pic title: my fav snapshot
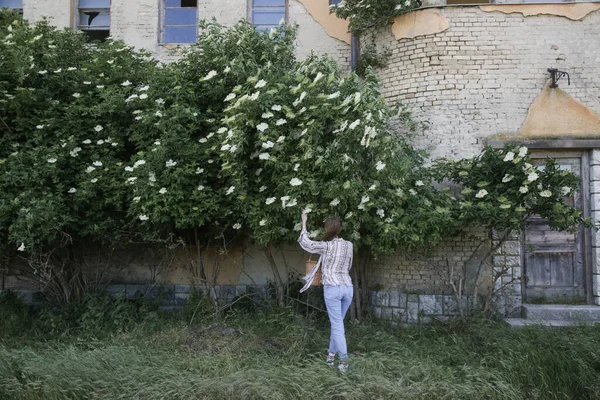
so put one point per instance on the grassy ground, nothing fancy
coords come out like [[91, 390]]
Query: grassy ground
[[280, 355]]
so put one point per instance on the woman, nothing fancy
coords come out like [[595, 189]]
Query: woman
[[335, 262]]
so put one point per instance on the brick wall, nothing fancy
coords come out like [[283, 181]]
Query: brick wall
[[426, 272], [479, 77]]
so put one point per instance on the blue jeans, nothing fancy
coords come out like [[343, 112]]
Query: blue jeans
[[337, 300]]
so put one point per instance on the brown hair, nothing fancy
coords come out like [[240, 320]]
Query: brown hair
[[333, 227]]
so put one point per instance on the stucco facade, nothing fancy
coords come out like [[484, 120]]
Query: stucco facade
[[138, 23]]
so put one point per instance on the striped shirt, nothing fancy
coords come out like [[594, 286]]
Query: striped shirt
[[336, 260]]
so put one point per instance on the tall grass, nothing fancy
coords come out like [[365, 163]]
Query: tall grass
[[278, 354]]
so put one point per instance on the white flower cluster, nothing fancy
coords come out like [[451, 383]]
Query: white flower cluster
[[295, 182], [210, 75], [287, 204], [363, 201], [481, 194], [370, 133]]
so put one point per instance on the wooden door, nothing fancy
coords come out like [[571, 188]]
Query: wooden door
[[555, 262]]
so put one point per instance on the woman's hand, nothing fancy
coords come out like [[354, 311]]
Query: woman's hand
[[304, 218]]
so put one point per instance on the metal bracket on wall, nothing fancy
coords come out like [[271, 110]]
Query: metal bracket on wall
[[556, 75]]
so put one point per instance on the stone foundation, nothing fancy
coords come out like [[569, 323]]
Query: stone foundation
[[407, 308]]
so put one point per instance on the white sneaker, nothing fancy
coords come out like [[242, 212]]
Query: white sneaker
[[343, 367], [330, 359]]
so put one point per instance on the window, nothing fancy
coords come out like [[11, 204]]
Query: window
[[14, 4], [180, 21], [93, 18], [333, 3], [266, 14]]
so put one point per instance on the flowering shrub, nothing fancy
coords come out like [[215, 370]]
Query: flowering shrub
[[64, 133], [318, 141], [364, 15], [176, 174], [501, 188]]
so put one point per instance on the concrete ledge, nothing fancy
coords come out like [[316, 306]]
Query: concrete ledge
[[562, 143], [558, 312], [521, 322]]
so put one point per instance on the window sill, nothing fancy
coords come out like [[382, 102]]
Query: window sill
[[175, 46]]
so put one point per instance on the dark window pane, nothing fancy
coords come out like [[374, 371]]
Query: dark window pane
[[280, 3], [180, 16], [265, 16], [181, 3], [94, 3], [100, 35], [11, 3], [184, 34], [334, 2], [94, 19]]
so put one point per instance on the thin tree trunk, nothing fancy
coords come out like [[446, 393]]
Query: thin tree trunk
[[357, 295], [364, 264], [490, 253], [201, 271], [208, 288], [279, 295]]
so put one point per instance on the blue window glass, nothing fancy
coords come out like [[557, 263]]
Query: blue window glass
[[18, 4], [180, 16], [267, 14], [180, 20], [180, 34], [94, 3]]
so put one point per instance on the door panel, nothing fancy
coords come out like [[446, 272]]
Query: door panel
[[554, 261]]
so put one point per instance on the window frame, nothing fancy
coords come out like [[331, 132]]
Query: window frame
[[163, 25], [77, 16], [251, 8]]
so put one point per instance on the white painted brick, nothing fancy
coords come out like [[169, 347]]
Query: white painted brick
[[498, 63]]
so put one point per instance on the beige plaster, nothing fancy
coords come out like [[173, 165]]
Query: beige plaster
[[227, 267], [556, 114], [419, 23], [334, 26], [574, 12]]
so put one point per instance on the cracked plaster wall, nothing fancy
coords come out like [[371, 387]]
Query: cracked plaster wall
[[479, 77]]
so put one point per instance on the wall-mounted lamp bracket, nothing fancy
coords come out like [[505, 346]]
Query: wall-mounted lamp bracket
[[556, 75]]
